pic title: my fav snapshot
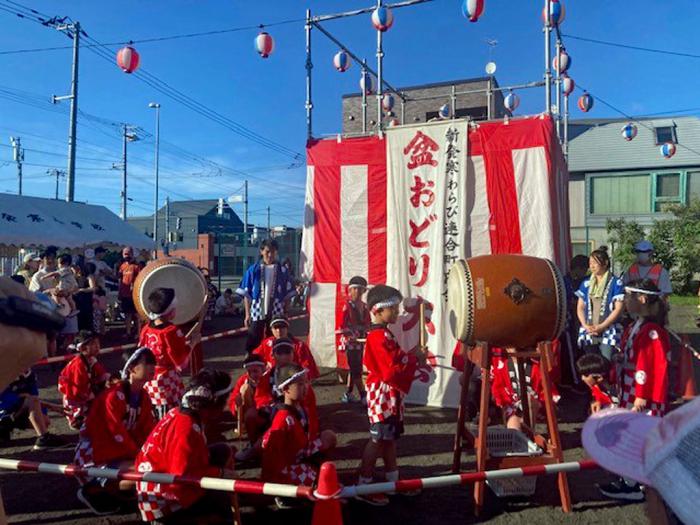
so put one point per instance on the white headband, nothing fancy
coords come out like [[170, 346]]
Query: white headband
[[134, 357], [356, 286], [153, 316], [392, 301], [259, 362], [291, 380], [78, 346], [639, 290]]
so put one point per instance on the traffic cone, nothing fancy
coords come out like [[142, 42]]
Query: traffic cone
[[327, 509], [686, 383]]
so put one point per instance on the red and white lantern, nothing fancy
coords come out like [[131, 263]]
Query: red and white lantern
[[128, 59], [264, 44]]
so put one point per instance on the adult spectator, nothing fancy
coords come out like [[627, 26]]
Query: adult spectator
[[30, 265], [646, 268], [266, 288], [128, 270], [224, 303], [102, 268], [48, 265], [87, 286]]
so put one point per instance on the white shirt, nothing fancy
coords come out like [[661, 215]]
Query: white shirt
[[101, 270], [39, 285], [222, 304], [269, 292]]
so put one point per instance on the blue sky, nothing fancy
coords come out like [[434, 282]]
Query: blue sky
[[427, 43]]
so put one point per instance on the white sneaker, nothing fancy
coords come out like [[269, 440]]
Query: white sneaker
[[347, 398]]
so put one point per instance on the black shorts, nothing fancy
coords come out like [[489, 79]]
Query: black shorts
[[127, 305], [355, 361], [388, 430]]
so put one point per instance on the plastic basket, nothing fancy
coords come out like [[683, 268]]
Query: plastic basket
[[505, 442]]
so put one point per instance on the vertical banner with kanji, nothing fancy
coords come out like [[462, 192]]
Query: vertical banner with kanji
[[427, 224]]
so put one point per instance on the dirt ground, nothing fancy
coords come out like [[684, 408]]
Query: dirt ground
[[425, 450]]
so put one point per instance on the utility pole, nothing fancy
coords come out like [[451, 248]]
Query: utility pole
[[18, 157], [156, 106], [73, 31], [128, 135], [166, 249], [269, 231], [56, 173], [246, 241]]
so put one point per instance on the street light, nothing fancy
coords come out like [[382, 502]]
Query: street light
[[156, 106]]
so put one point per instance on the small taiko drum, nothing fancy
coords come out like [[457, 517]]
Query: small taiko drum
[[179, 274], [506, 300]]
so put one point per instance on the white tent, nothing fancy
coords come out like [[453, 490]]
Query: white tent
[[33, 221]]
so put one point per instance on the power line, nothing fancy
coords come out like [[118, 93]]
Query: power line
[[628, 46]]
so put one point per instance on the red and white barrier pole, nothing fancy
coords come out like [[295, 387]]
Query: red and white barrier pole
[[226, 485], [408, 485], [132, 346]]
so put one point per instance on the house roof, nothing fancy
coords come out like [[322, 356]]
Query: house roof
[[598, 145], [192, 208]]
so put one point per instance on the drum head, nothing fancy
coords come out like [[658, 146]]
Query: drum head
[[460, 296], [187, 281]]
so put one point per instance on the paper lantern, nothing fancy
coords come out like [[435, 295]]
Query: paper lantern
[[557, 13], [444, 111], [388, 102], [472, 9], [264, 44], [567, 84], [585, 102], [511, 102], [668, 150], [128, 59], [342, 61], [382, 18], [562, 62], [629, 131], [366, 83]]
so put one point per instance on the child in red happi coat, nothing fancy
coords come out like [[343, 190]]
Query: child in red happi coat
[[178, 445], [242, 396], [120, 420], [82, 378], [390, 373], [291, 447], [302, 356], [505, 387], [595, 371], [171, 348], [354, 326], [643, 381]]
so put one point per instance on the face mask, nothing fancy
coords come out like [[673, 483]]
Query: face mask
[[643, 257]]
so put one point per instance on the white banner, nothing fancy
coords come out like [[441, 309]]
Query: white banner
[[426, 232]]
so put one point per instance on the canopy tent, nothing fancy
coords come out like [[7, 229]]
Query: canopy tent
[[34, 221]]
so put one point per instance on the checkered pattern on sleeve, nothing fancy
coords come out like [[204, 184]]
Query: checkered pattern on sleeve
[[152, 501], [383, 401], [166, 389], [627, 398], [75, 413], [300, 474]]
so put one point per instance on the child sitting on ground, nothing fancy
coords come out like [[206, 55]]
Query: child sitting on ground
[[595, 371], [290, 448], [82, 378], [390, 373], [120, 420], [243, 395], [20, 408], [354, 326], [279, 326]]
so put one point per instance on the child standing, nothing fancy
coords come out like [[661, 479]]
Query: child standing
[[171, 348], [390, 375], [595, 371], [82, 378], [291, 448], [643, 382], [354, 326]]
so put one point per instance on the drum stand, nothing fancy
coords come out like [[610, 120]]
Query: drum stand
[[480, 356]]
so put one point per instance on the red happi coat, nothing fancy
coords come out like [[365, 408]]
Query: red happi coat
[[176, 445], [646, 347], [505, 388], [168, 344], [111, 434], [390, 373], [79, 381], [355, 323], [286, 444], [249, 394], [302, 355], [266, 397], [602, 395]]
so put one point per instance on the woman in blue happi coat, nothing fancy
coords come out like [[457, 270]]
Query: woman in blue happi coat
[[267, 286], [600, 301]]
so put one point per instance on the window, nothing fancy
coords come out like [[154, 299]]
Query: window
[[668, 190], [693, 185], [665, 134], [622, 194]]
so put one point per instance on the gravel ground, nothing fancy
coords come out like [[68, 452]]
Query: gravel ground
[[424, 450]]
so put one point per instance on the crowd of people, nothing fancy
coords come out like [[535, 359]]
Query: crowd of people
[[143, 417]]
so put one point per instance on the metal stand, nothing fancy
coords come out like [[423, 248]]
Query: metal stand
[[480, 356]]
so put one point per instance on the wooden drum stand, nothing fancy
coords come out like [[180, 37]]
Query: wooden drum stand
[[480, 356]]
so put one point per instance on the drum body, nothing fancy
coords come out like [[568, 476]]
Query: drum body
[[506, 300], [182, 276]]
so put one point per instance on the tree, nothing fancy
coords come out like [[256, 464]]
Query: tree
[[623, 235], [682, 235]]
